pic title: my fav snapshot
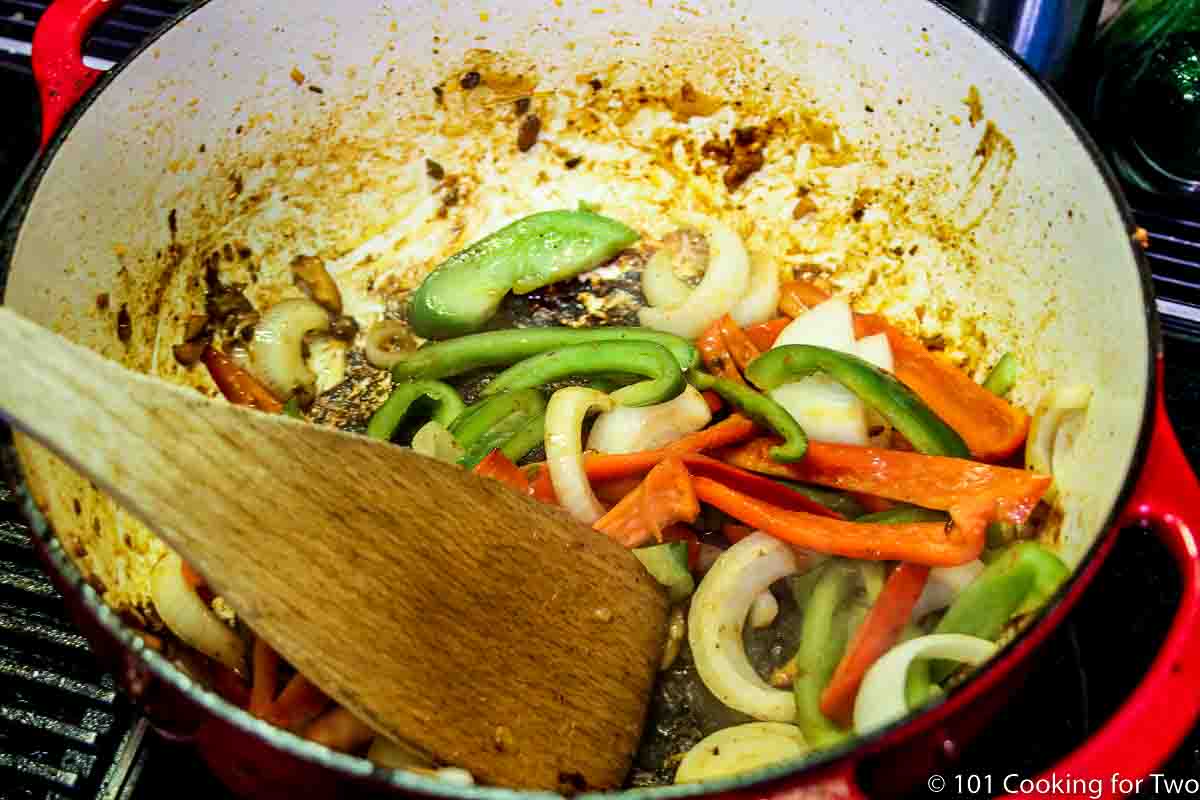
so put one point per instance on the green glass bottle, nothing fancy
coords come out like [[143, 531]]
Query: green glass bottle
[[1146, 105]]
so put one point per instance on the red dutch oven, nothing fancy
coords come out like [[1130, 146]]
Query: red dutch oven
[[1056, 267]]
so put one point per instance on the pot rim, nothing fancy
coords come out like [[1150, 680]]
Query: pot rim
[[831, 761]]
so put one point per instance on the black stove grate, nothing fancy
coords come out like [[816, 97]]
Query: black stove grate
[[65, 731]]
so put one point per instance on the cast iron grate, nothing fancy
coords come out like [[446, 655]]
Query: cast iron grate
[[112, 40], [65, 731]]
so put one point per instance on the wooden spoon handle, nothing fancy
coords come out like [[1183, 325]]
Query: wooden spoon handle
[[445, 610]]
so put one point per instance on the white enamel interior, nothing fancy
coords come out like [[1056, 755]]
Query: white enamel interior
[[1056, 273]]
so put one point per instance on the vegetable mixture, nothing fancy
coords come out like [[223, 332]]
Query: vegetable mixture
[[840, 516]]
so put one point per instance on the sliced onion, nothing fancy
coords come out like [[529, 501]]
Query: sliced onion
[[676, 633], [881, 697], [945, 584], [1049, 432], [276, 354], [720, 289], [739, 749], [398, 755], [826, 410], [877, 350], [435, 441], [718, 616], [628, 430], [661, 286], [763, 610], [761, 299], [190, 618], [564, 449], [387, 342]]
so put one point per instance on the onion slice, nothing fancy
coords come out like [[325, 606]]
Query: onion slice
[[388, 342], [190, 618], [1048, 432], [435, 441], [945, 584], [761, 299], [718, 616], [661, 286], [565, 414], [276, 354], [881, 697], [626, 429], [741, 748], [720, 289]]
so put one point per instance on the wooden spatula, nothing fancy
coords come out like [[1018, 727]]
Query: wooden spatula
[[494, 632]]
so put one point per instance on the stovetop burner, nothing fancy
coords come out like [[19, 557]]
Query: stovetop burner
[[67, 734]]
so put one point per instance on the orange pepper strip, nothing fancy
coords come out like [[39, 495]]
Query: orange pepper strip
[[715, 355], [614, 491], [339, 730], [796, 297], [265, 681], [735, 532], [992, 427], [192, 578], [715, 403], [496, 466], [764, 334], [664, 498], [239, 387], [755, 486], [609, 466], [300, 702], [929, 481], [930, 543], [738, 343], [878, 632]]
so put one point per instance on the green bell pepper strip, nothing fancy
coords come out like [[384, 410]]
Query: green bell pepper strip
[[1003, 376], [643, 358], [387, 418], [494, 421], [503, 348], [888, 396], [823, 638], [465, 291], [832, 499], [527, 437], [905, 514], [1016, 582], [760, 408], [292, 409]]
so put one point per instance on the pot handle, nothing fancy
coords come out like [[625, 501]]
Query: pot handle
[[1146, 730], [62, 77]]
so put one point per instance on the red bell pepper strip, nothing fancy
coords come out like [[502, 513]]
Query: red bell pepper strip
[[929, 543], [609, 466], [496, 465], [928, 481], [764, 334], [664, 498], [298, 704], [239, 387], [738, 343], [879, 631], [715, 355], [265, 678], [684, 533], [715, 403]]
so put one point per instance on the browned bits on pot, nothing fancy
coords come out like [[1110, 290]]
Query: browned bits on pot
[[573, 162], [745, 164], [434, 170], [527, 132], [316, 282], [522, 105], [196, 325], [316, 89], [470, 80], [172, 223], [804, 206], [297, 76], [504, 740], [188, 353], [124, 325], [102, 301], [439, 95], [692, 103], [344, 328], [596, 84]]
